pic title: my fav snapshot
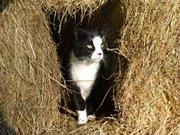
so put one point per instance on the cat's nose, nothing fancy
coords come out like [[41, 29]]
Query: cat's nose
[[99, 54]]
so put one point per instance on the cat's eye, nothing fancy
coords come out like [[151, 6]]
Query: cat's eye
[[89, 46]]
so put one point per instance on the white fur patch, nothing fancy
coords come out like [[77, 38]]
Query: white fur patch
[[97, 42], [82, 117], [84, 74]]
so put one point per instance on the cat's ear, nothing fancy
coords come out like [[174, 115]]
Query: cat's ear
[[103, 30], [78, 33], [100, 31]]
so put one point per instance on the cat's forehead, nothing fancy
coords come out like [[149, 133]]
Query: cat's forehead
[[97, 41]]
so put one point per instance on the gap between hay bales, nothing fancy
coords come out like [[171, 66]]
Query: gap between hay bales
[[61, 31]]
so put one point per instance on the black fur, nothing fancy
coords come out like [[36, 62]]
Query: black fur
[[80, 39]]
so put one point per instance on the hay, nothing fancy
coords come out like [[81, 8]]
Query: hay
[[29, 71], [150, 40], [64, 9], [147, 97], [71, 7]]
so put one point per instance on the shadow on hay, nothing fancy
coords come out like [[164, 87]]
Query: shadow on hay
[[108, 19], [4, 128], [4, 4]]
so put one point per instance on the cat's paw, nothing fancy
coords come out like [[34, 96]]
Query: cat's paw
[[82, 117], [91, 117], [82, 121]]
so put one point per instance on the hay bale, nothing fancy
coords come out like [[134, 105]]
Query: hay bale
[[66, 8], [71, 7], [29, 71], [150, 40]]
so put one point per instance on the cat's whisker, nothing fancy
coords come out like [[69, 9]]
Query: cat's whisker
[[105, 62], [107, 34]]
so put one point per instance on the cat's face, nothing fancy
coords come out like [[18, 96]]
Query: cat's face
[[88, 45]]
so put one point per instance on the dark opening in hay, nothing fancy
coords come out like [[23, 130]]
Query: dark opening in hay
[[61, 31], [4, 4]]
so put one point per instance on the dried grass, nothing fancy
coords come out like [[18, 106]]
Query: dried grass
[[65, 8], [29, 70], [148, 100], [72, 6], [150, 40]]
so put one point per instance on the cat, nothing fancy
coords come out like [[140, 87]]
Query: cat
[[85, 57]]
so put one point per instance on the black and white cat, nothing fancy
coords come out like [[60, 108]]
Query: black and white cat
[[86, 55]]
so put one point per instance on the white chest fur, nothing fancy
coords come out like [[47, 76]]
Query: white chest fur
[[84, 74]]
